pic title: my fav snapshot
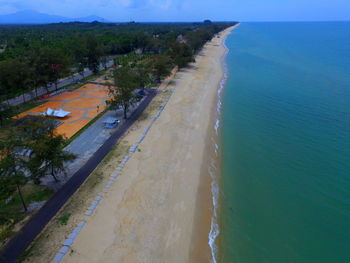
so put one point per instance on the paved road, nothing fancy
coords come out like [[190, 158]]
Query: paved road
[[63, 82], [96, 135], [36, 224]]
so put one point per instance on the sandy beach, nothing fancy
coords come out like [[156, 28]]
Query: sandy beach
[[154, 210]]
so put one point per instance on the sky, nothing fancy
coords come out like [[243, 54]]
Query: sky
[[188, 10]]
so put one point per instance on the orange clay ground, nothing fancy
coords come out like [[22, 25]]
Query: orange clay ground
[[84, 104]]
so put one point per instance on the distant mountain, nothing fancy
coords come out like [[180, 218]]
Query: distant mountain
[[90, 19], [33, 17]]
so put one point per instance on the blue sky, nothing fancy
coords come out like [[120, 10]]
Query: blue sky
[[188, 10]]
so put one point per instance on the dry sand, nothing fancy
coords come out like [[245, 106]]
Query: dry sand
[[153, 212], [148, 215]]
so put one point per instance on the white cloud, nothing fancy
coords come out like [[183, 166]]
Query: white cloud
[[125, 3], [7, 9], [164, 4]]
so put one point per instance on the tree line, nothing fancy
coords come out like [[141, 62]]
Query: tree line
[[39, 55]]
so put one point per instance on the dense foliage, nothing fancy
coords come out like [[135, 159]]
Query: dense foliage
[[38, 55], [29, 150]]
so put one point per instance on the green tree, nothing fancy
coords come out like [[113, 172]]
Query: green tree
[[142, 76], [6, 112], [47, 155], [50, 150], [181, 54], [35, 167], [122, 94], [37, 73], [56, 65], [31, 132], [79, 54], [93, 53], [160, 66], [12, 168], [14, 77]]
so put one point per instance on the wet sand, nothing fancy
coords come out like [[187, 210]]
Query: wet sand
[[200, 248]]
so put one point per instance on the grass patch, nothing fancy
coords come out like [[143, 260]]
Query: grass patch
[[15, 110], [143, 116], [95, 180], [117, 151], [12, 212], [25, 106], [63, 220]]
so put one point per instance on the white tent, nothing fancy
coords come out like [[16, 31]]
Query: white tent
[[56, 113]]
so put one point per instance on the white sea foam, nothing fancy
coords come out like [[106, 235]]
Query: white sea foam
[[214, 227], [215, 145], [217, 125]]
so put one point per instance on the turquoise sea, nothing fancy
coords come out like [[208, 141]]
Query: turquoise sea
[[285, 144]]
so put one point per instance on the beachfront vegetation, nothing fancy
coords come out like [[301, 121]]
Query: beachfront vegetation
[[39, 55], [29, 151], [11, 207], [126, 80]]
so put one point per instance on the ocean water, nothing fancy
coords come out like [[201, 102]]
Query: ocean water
[[285, 144]]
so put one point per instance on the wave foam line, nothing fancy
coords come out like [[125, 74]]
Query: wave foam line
[[214, 226]]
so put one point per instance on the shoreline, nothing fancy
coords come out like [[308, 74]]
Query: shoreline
[[151, 212], [205, 235]]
